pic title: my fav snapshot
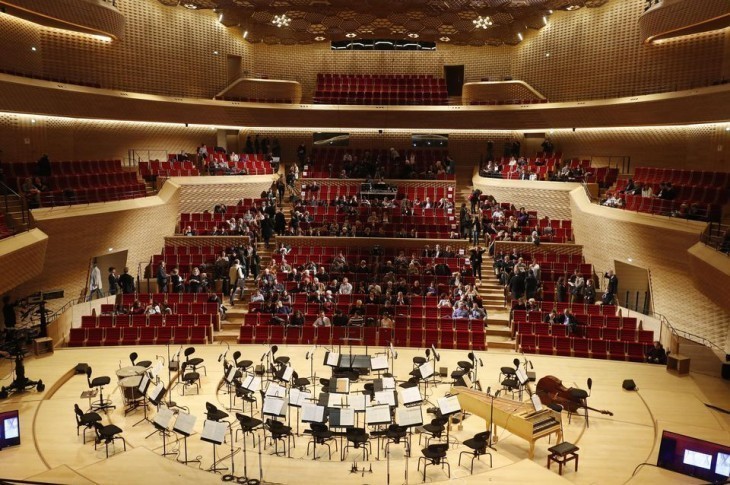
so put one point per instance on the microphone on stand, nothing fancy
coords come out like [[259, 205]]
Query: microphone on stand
[[481, 364], [496, 394], [489, 389]]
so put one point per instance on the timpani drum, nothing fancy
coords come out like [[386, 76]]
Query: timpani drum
[[130, 388]]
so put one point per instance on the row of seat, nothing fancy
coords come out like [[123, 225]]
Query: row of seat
[[156, 320], [5, 231], [92, 195], [574, 308], [245, 99], [129, 298], [584, 347], [330, 192], [652, 205], [172, 168], [703, 178], [78, 167], [88, 337], [500, 102], [251, 167], [625, 334]]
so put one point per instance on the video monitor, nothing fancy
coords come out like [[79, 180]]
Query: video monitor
[[694, 457], [9, 429]]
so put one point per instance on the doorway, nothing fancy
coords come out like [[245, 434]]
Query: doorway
[[454, 79]]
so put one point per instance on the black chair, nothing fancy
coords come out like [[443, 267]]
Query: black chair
[[396, 434], [108, 434], [434, 430], [212, 413], [301, 383], [434, 455], [246, 395], [86, 420], [510, 383], [359, 439], [280, 432], [478, 445], [248, 425], [321, 435], [581, 396], [189, 378], [242, 365], [99, 382], [280, 361], [142, 363], [195, 362]]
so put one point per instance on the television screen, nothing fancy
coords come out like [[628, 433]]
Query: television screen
[[694, 457], [9, 429]]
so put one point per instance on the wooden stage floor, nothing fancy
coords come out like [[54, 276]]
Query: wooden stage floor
[[610, 449]]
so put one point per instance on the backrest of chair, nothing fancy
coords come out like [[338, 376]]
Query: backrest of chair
[[440, 448], [88, 375], [236, 356], [188, 352], [483, 436], [78, 413], [132, 357]]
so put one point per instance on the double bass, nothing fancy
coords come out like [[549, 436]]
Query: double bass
[[551, 390]]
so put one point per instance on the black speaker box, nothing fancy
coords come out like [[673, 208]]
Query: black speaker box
[[726, 371], [629, 385]]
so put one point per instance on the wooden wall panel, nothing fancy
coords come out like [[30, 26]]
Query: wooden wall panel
[[198, 194], [547, 198], [21, 259]]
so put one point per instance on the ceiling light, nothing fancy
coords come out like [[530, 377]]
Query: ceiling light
[[544, 20], [319, 38], [245, 34], [33, 49], [482, 22], [215, 53], [413, 35], [32, 120], [547, 54], [444, 39], [220, 18], [519, 35], [572, 7], [191, 6], [111, 249], [350, 35], [103, 38], [281, 20]]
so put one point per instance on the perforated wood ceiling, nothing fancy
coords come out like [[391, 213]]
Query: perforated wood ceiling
[[431, 20]]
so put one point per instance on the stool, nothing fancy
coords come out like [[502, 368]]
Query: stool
[[561, 454]]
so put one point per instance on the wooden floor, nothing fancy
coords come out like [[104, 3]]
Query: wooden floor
[[610, 449]]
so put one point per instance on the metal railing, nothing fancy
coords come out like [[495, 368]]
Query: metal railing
[[638, 301], [136, 155], [621, 162], [717, 236], [11, 200], [72, 197], [687, 335]]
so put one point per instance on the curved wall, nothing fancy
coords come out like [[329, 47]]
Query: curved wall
[[593, 53]]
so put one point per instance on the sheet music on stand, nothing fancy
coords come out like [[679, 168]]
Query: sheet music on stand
[[231, 374], [144, 383], [385, 397], [331, 400], [449, 405], [275, 390], [467, 381], [297, 397], [331, 359], [521, 375], [426, 369], [213, 432], [341, 385], [157, 393], [379, 362], [358, 402], [384, 384], [342, 417], [156, 369], [409, 416], [536, 402], [251, 383], [163, 418], [379, 414], [274, 406], [312, 413], [184, 424], [286, 373], [410, 396]]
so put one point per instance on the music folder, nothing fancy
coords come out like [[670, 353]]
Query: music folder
[[231, 374], [361, 362], [342, 418], [144, 383], [410, 395], [379, 414], [426, 370], [384, 384], [536, 402], [312, 413], [184, 424], [275, 390], [385, 397], [251, 383], [156, 369], [297, 397], [409, 416], [286, 373], [157, 393], [163, 417], [274, 406], [449, 405], [521, 375], [213, 432], [358, 402], [379, 362], [341, 385], [331, 359]]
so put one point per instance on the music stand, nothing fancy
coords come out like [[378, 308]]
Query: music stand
[[274, 407], [425, 371], [214, 432], [378, 415], [313, 413], [449, 405], [408, 417], [252, 384], [231, 374], [297, 399], [161, 422], [156, 395], [379, 363], [184, 425], [143, 386], [342, 418]]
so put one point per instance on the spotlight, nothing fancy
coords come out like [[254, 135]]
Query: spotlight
[[245, 34], [33, 48], [519, 36]]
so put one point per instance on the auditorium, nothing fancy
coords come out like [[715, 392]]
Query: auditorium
[[325, 241]]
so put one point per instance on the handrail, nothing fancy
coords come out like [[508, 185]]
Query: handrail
[[715, 241], [70, 303], [8, 191], [584, 184], [688, 335]]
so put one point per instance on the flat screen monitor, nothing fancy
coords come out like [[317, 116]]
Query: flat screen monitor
[[9, 429], [694, 457]]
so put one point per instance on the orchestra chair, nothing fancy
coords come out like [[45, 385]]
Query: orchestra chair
[[99, 383], [248, 425], [242, 365], [434, 455], [301, 383], [86, 420], [282, 360], [395, 434], [195, 362], [510, 383], [142, 363], [190, 378], [246, 396], [279, 432], [321, 435], [434, 430], [581, 396], [108, 434], [212, 413], [359, 439], [478, 445]]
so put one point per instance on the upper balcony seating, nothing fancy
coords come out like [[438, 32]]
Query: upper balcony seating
[[171, 168], [381, 89]]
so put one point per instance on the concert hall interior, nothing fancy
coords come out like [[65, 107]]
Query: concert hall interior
[[317, 241]]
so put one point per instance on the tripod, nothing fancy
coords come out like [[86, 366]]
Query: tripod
[[20, 383]]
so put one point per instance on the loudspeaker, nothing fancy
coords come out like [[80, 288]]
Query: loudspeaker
[[726, 371], [629, 385]]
